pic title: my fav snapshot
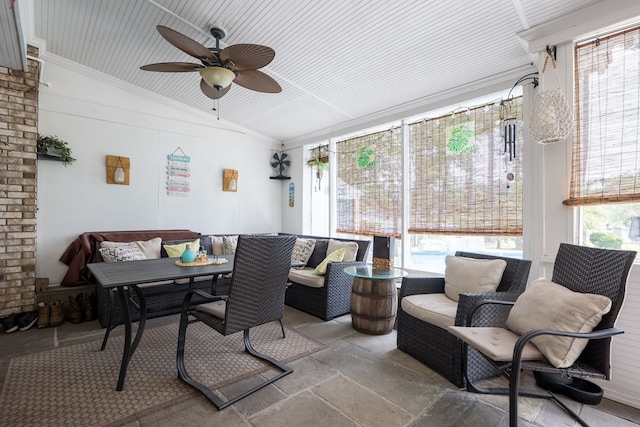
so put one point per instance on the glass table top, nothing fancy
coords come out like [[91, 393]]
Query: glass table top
[[368, 272]]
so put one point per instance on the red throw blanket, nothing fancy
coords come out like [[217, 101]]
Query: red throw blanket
[[82, 250]]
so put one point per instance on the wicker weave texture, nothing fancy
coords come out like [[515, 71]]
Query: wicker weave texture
[[329, 301], [600, 271]]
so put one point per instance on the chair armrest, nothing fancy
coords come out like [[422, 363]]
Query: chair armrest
[[484, 308], [528, 336], [421, 285], [189, 294], [335, 273]]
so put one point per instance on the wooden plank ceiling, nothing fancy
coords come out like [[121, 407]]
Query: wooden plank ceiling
[[337, 61]]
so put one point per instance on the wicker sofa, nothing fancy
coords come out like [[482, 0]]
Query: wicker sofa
[[163, 298], [327, 302], [435, 346], [332, 296]]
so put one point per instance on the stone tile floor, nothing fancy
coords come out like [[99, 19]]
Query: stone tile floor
[[358, 380]]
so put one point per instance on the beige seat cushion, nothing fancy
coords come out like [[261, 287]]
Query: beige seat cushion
[[350, 249], [495, 343], [465, 275], [216, 308], [306, 277], [435, 309], [547, 305]]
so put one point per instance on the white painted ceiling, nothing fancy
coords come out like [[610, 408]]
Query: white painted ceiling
[[338, 61]]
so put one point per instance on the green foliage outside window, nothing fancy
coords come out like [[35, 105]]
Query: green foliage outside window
[[605, 240]]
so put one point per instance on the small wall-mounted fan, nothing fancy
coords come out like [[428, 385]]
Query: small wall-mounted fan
[[280, 163], [220, 67]]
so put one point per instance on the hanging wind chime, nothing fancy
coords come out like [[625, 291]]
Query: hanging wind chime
[[509, 138]]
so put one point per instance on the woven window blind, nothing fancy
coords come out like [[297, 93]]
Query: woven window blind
[[458, 181], [606, 148], [369, 184]]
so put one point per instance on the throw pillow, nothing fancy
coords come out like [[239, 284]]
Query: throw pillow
[[122, 253], [216, 245], [336, 256], [319, 253], [464, 275], [150, 248], [548, 305], [229, 244], [302, 250], [350, 249], [175, 251]]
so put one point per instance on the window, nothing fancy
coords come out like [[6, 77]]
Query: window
[[466, 184], [605, 169], [369, 184], [465, 176]]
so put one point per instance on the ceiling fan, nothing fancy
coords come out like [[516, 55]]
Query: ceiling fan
[[237, 63]]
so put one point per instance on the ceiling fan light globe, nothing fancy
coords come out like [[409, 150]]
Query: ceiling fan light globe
[[217, 77]]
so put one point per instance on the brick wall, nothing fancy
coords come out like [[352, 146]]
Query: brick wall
[[18, 132]]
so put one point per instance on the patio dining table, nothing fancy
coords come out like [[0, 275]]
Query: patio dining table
[[131, 274]]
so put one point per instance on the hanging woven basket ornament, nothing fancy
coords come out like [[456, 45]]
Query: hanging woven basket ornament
[[551, 118]]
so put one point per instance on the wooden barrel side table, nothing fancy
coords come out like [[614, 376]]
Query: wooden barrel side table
[[374, 299]]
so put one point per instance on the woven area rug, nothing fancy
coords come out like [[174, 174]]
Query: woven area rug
[[75, 385]]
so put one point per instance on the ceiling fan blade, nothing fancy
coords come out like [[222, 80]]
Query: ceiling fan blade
[[172, 67], [185, 44], [247, 56], [212, 92], [258, 81]]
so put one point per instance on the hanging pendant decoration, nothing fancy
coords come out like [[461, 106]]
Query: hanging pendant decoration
[[319, 160], [551, 118]]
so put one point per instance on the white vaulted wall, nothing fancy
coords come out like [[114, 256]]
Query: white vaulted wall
[[101, 116]]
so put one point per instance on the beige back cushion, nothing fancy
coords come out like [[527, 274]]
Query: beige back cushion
[[547, 305], [150, 248], [350, 249], [464, 275]]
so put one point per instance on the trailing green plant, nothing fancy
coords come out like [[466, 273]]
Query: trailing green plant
[[605, 240], [61, 148]]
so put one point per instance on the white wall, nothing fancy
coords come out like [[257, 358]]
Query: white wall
[[98, 116]]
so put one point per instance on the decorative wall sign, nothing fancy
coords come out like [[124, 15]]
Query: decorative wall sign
[[292, 194], [230, 180], [178, 173], [118, 169]]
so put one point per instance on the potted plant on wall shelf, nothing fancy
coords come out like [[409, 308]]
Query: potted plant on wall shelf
[[53, 148]]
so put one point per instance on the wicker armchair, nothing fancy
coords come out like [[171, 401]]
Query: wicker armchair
[[333, 299], [437, 347], [579, 269], [256, 297]]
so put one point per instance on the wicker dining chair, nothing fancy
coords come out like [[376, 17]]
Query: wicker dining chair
[[589, 273], [256, 297]]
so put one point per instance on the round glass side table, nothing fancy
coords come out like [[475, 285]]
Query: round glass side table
[[374, 298]]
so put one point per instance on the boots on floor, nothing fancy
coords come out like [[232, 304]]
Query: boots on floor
[[44, 315], [88, 303], [75, 309], [57, 313]]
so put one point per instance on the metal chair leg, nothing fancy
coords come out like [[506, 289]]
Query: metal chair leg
[[282, 328], [213, 398]]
